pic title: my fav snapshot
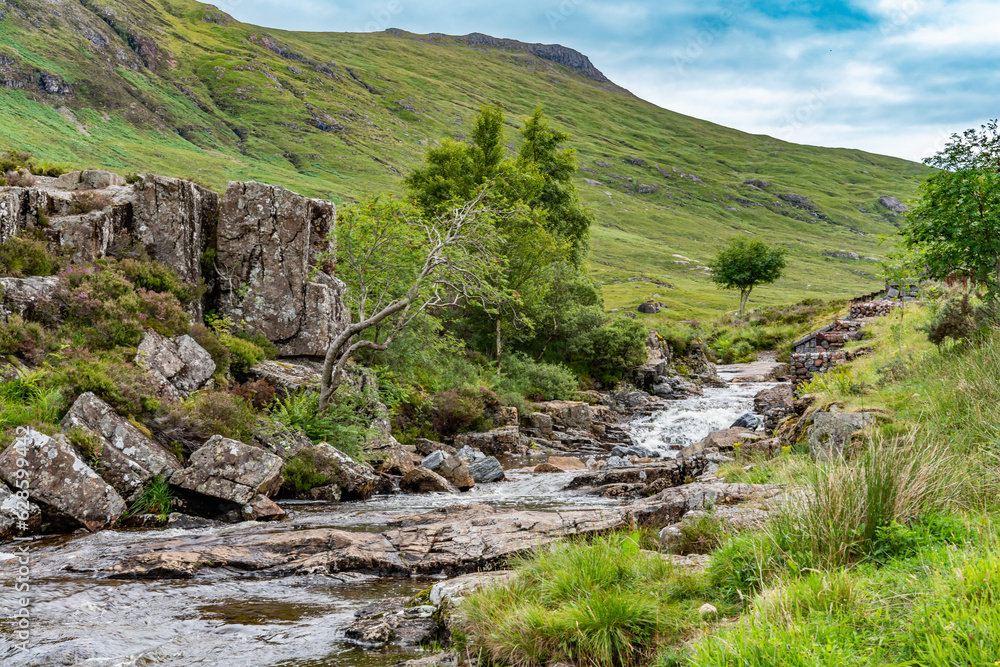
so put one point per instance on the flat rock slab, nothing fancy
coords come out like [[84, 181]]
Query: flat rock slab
[[454, 539], [675, 472]]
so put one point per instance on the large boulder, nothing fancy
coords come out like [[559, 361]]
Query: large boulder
[[289, 375], [128, 459], [487, 470], [269, 241], [70, 494], [230, 470], [451, 468], [422, 480], [175, 221], [180, 365], [722, 441], [831, 432]]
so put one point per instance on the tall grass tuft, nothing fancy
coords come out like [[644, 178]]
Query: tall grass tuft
[[604, 602], [837, 520]]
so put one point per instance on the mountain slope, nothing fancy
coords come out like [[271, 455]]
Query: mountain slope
[[177, 87]]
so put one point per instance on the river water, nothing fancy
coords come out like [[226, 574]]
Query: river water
[[227, 619]]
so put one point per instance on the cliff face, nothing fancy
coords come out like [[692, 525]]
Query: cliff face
[[254, 248]]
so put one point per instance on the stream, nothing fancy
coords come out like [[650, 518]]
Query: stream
[[234, 619]]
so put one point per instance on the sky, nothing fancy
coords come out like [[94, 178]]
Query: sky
[[896, 77]]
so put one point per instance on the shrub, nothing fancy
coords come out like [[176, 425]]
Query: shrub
[[203, 415], [19, 178], [259, 394], [537, 381], [85, 202], [243, 354], [300, 474], [955, 319], [156, 277], [27, 340], [50, 169], [613, 349], [12, 160], [701, 535], [343, 425], [210, 341], [24, 255], [115, 380], [105, 310], [456, 411]]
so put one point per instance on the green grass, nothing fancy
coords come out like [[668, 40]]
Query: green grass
[[605, 602], [222, 106]]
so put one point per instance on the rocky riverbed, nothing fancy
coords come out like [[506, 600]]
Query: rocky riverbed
[[286, 593]]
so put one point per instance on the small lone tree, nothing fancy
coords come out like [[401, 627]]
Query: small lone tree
[[746, 263], [399, 265]]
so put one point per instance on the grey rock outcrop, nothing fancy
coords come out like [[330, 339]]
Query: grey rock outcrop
[[20, 296], [230, 470], [831, 432], [128, 458], [175, 221], [268, 241], [70, 494], [291, 376], [454, 539], [180, 365]]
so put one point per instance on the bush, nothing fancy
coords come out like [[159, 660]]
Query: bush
[[27, 340], [156, 277], [24, 255], [456, 411], [343, 425], [103, 309], [85, 202], [300, 474], [537, 381], [243, 354], [19, 178], [115, 380], [203, 415], [259, 394], [614, 349], [210, 341], [954, 319]]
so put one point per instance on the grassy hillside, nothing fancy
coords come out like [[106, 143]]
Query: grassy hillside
[[177, 87]]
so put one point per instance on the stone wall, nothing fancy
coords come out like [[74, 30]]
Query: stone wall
[[807, 364], [256, 248]]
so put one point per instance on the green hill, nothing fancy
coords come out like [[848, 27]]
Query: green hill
[[180, 88]]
